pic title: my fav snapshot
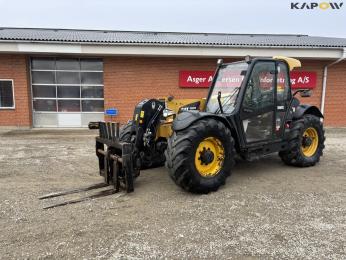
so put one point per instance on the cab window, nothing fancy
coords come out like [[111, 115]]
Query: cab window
[[282, 87], [260, 88]]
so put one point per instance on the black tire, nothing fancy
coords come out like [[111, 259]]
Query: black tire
[[151, 159], [125, 132], [180, 156], [294, 155]]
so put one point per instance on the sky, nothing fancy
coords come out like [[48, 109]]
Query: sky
[[210, 16]]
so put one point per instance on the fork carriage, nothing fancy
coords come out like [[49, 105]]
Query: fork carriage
[[116, 158]]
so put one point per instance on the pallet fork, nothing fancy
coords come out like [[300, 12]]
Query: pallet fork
[[116, 165], [116, 158]]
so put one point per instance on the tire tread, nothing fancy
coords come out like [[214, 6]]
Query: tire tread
[[179, 148]]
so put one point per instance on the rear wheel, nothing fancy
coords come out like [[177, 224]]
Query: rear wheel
[[200, 157], [306, 142]]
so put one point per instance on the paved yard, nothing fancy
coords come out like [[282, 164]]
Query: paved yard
[[266, 209]]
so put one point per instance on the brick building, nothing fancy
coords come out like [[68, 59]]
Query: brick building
[[66, 78]]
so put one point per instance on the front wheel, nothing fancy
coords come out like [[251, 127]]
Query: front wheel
[[200, 157], [150, 157], [306, 142], [125, 132]]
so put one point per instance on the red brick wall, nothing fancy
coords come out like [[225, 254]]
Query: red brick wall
[[335, 103], [316, 66], [15, 67], [336, 91], [129, 80]]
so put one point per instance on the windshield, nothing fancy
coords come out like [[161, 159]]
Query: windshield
[[228, 82]]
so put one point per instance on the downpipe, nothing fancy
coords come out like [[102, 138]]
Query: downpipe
[[325, 75]]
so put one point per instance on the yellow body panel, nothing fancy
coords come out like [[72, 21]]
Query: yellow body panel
[[165, 128], [176, 104], [292, 63]]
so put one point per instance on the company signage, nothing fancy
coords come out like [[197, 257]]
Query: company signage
[[303, 79], [316, 5], [195, 78], [203, 79]]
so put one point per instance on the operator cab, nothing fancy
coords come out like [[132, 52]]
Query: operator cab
[[258, 93]]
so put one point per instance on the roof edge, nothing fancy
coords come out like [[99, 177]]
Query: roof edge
[[206, 45], [100, 50], [148, 31]]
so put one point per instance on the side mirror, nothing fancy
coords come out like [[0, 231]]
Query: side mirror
[[306, 93], [303, 93]]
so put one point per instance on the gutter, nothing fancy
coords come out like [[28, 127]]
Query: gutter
[[168, 44], [325, 74]]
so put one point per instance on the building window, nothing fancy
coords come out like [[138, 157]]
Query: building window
[[6, 93], [67, 85]]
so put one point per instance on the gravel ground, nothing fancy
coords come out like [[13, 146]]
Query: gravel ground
[[266, 209]]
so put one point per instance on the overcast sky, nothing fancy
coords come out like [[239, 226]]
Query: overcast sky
[[225, 16]]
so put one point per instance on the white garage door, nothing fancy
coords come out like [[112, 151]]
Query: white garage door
[[66, 92]]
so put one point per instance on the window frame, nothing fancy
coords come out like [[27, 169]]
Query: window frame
[[13, 97], [288, 78]]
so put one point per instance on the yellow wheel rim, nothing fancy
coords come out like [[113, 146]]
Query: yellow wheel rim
[[309, 142], [209, 157]]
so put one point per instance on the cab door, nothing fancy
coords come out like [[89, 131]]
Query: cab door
[[258, 107], [283, 98]]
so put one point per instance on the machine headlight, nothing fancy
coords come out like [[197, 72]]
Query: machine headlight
[[168, 112]]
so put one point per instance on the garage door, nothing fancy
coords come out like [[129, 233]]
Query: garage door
[[66, 92]]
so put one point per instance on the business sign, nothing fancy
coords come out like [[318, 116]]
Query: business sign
[[195, 78], [303, 79], [203, 79]]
